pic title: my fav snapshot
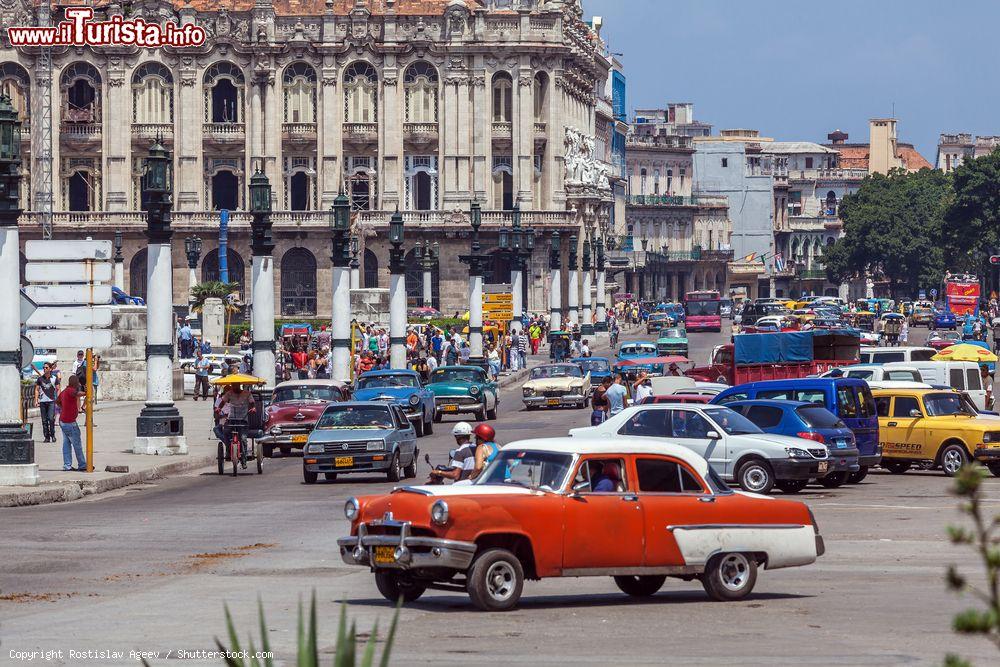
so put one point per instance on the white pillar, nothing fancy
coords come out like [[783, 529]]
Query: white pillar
[[340, 325], [397, 320], [588, 311], [120, 275], [428, 290], [602, 295], [192, 283], [573, 297], [355, 277], [476, 318], [516, 293], [19, 468], [154, 435], [263, 318], [555, 300]]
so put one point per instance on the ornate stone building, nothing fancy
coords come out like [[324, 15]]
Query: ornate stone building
[[420, 105]]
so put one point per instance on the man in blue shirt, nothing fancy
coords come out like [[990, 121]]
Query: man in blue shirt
[[606, 478], [617, 397], [187, 338]]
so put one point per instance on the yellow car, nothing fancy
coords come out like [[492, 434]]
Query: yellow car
[[938, 426]]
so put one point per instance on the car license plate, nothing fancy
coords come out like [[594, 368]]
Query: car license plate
[[841, 444], [823, 466], [300, 438], [385, 554], [553, 401], [450, 408], [346, 461]]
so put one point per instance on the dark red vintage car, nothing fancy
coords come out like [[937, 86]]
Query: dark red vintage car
[[294, 408]]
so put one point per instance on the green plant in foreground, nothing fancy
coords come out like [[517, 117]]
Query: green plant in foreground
[[308, 651], [984, 538]]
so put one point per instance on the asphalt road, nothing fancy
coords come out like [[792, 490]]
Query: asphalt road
[[149, 569]]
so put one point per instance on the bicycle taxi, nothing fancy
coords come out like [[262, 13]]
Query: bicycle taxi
[[243, 428]]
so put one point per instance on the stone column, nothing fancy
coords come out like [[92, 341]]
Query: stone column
[[517, 288], [189, 119], [329, 141], [397, 296], [587, 327], [262, 246], [476, 315], [555, 289], [355, 273], [573, 286], [116, 176], [428, 288], [340, 325]]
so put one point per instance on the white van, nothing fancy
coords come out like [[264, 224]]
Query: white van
[[960, 375], [876, 373], [886, 355]]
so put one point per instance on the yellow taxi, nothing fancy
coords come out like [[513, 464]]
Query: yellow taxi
[[936, 426]]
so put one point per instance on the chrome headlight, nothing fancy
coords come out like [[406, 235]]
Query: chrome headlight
[[474, 390], [796, 453], [275, 430], [439, 512], [414, 400], [528, 391], [351, 508], [314, 449], [374, 445]]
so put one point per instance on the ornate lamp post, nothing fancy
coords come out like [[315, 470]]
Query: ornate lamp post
[[340, 325], [555, 292], [397, 294], [602, 290], [262, 246], [355, 263], [159, 427], [192, 248], [476, 260], [17, 449], [427, 258], [119, 261], [587, 327], [574, 282]]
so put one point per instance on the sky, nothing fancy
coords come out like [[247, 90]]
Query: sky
[[799, 69]]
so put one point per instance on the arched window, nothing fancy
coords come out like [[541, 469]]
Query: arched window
[[503, 182], [415, 282], [503, 98], [670, 181], [298, 283], [360, 93], [152, 94], [421, 85], [235, 268], [642, 181], [831, 203], [15, 84], [541, 92], [656, 181], [299, 83], [371, 270], [224, 93], [137, 275], [81, 89]]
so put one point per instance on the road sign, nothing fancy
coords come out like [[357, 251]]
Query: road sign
[[27, 307], [68, 272], [71, 316], [27, 352], [69, 295], [72, 338], [502, 297], [59, 250]]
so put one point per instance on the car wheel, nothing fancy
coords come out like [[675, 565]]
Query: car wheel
[[429, 427], [393, 586], [729, 577], [530, 408], [220, 456], [437, 417], [495, 580], [492, 414], [481, 415], [994, 468], [410, 471], [286, 451], [330, 476], [756, 476], [640, 586], [309, 477], [418, 426], [395, 472], [268, 451], [791, 485], [856, 477], [834, 479], [952, 458], [896, 467]]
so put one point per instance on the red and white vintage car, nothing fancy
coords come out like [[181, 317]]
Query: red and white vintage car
[[294, 408], [635, 510]]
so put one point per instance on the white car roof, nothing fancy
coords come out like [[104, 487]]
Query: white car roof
[[311, 383], [613, 445]]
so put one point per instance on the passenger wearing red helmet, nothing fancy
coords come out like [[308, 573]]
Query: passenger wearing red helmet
[[486, 448]]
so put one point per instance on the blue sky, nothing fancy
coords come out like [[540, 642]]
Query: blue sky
[[799, 69]]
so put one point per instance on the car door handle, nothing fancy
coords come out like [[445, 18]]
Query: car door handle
[[892, 424], [706, 499], [630, 498]]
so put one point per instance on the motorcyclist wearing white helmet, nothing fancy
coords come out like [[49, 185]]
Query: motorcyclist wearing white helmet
[[463, 457]]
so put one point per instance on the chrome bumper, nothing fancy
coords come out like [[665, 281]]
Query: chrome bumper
[[566, 399], [441, 401], [409, 553]]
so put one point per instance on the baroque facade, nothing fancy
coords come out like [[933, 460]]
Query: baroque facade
[[420, 105]]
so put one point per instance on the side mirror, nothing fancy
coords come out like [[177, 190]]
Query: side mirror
[[916, 413], [713, 435], [577, 488]]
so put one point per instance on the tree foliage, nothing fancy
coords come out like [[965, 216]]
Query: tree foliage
[[213, 289], [972, 221], [892, 229]]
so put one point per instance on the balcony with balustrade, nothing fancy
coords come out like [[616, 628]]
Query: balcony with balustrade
[[361, 133], [502, 130], [77, 132], [420, 133], [224, 133], [146, 132], [661, 200], [298, 132], [541, 132]]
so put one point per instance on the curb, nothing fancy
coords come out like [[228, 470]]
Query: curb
[[67, 491]]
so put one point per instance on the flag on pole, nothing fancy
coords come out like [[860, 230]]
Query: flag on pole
[[750, 257], [779, 263]]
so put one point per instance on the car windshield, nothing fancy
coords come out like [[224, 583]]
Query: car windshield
[[560, 371], [699, 308], [627, 350], [355, 417], [672, 333], [732, 422], [943, 405], [527, 468], [818, 417], [376, 381], [469, 375], [656, 317], [316, 394], [594, 365]]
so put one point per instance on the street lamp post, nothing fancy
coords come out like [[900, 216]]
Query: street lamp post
[[355, 263], [397, 294], [602, 311], [159, 427], [17, 449], [475, 260], [262, 246], [119, 260], [642, 276], [518, 243], [555, 291], [573, 300], [427, 258], [340, 324], [587, 328], [192, 248]]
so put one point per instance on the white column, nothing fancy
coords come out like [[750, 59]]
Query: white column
[[192, 281], [588, 312], [602, 295], [341, 323], [517, 292], [397, 320], [120, 275], [356, 277], [573, 297], [555, 300], [428, 290], [476, 317], [263, 318]]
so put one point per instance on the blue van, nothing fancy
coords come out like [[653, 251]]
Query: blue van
[[848, 398]]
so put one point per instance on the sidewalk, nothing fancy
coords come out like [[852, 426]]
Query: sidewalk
[[114, 432]]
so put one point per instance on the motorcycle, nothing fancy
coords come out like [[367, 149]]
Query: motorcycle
[[438, 480]]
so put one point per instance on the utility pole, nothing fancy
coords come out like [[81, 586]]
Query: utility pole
[[340, 328], [397, 294], [475, 260], [555, 292]]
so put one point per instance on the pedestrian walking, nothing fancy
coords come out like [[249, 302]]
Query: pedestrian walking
[[45, 398], [617, 397], [201, 368], [69, 408]]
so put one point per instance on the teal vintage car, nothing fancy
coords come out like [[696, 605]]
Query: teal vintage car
[[672, 341], [464, 390]]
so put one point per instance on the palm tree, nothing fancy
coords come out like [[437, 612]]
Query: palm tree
[[214, 289]]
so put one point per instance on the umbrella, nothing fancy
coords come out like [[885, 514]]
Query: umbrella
[[965, 352], [237, 378]]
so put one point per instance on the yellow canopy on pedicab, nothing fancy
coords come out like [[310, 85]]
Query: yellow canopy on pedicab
[[237, 378], [965, 352]]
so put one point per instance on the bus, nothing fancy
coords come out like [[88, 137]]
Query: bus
[[703, 311], [962, 294]]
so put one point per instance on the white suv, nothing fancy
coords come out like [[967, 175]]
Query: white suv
[[735, 447]]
